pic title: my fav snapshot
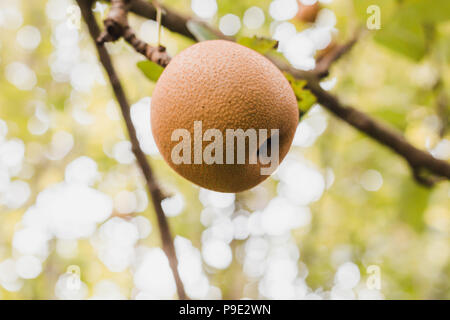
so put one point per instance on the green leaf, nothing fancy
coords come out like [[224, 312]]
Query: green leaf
[[443, 45], [430, 11], [260, 45], [404, 35], [150, 69], [387, 9], [200, 32], [393, 116], [427, 11], [412, 212], [408, 30], [305, 98]]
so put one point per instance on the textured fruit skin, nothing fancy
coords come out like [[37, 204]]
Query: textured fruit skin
[[226, 86]]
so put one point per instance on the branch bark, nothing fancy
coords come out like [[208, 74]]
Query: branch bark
[[419, 161], [337, 51], [171, 20], [116, 26], [153, 188]]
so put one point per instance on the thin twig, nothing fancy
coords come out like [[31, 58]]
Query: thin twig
[[156, 54], [337, 51], [419, 161], [153, 188], [158, 20], [442, 109], [116, 26]]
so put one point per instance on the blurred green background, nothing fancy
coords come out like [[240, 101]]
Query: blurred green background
[[365, 208]]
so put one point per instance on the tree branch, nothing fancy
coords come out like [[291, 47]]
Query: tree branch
[[116, 26], [337, 51], [419, 161], [153, 188], [171, 20], [442, 108]]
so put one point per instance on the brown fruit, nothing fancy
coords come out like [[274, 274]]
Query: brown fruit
[[226, 86]]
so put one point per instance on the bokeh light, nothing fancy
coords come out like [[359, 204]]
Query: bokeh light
[[76, 217]]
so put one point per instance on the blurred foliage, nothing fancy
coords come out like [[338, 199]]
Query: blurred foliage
[[305, 98], [260, 45], [150, 69], [408, 26], [200, 31], [390, 74]]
